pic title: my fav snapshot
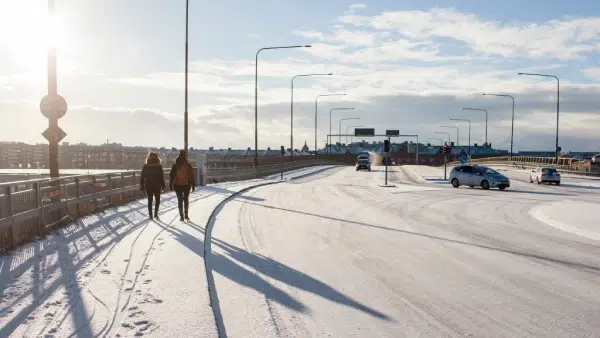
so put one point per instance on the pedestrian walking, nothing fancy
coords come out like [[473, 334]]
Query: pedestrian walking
[[152, 181], [182, 180]]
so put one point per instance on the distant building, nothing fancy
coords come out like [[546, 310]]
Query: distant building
[[305, 148]]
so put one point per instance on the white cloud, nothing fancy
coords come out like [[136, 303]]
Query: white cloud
[[357, 6], [566, 38], [593, 73]]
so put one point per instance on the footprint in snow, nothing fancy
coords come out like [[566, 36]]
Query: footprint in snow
[[136, 314]]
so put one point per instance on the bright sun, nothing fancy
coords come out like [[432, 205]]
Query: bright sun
[[26, 33]]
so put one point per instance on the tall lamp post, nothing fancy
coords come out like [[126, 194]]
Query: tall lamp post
[[512, 126], [185, 109], [316, 109], [53, 106], [457, 134], [465, 120], [557, 104], [292, 110], [340, 127], [486, 121], [256, 94], [347, 133], [331, 111]]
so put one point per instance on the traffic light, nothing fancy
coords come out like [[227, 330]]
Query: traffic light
[[386, 146], [282, 150], [445, 149]]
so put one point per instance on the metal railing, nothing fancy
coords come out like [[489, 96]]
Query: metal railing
[[565, 165], [30, 209]]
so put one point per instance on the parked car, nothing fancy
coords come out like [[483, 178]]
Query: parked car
[[363, 164], [473, 175], [545, 175]]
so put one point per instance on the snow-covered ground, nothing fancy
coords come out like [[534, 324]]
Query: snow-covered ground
[[339, 256], [328, 253], [117, 274]]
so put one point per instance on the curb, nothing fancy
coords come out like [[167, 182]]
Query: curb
[[314, 172], [212, 291]]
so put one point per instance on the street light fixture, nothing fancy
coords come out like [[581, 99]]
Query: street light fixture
[[457, 134], [347, 132], [340, 127], [557, 104], [465, 120], [486, 121], [512, 127], [256, 94], [331, 111], [316, 109], [292, 110]]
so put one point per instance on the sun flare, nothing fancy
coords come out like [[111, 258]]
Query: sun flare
[[27, 31]]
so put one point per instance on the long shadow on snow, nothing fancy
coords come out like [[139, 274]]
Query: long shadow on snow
[[35, 254], [574, 265], [229, 266]]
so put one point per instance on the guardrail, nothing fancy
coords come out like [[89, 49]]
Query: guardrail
[[565, 165], [31, 209]]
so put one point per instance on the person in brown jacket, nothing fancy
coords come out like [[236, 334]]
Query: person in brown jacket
[[152, 181], [182, 180]]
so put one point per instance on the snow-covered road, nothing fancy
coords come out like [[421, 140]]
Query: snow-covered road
[[337, 255], [328, 253]]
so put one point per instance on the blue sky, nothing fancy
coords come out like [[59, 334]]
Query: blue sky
[[407, 64]]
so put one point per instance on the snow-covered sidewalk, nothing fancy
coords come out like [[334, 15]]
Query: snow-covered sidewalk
[[117, 274]]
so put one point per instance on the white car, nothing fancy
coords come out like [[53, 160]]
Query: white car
[[545, 175]]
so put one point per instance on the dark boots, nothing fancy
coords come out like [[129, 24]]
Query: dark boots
[[183, 214]]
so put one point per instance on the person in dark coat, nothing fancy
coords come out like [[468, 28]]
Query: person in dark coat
[[182, 180], [152, 181]]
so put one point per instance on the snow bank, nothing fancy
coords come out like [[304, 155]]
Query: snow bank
[[579, 218]]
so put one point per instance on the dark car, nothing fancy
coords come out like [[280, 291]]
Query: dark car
[[363, 164]]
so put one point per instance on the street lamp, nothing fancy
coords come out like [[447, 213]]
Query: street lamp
[[557, 104], [457, 135], [340, 127], [316, 109], [486, 120], [438, 139], [347, 133], [292, 110], [512, 127], [185, 109], [465, 120], [256, 94], [330, 111]]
